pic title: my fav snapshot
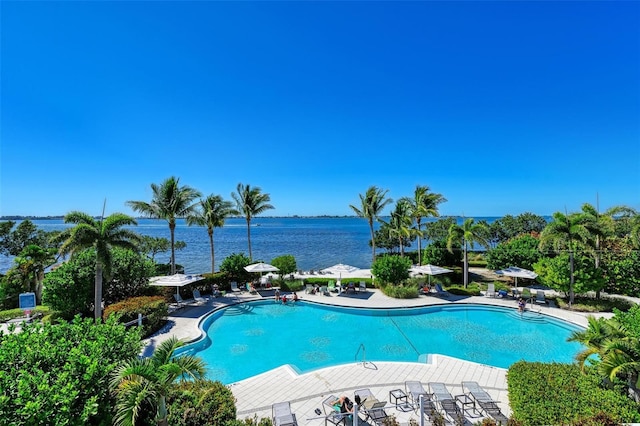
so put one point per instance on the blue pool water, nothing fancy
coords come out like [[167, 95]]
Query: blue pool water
[[252, 338]]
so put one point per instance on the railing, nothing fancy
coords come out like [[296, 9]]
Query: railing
[[364, 354]]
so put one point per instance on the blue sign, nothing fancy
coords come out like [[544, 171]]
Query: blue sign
[[27, 300]]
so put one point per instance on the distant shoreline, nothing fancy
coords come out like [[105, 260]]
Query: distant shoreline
[[5, 218]]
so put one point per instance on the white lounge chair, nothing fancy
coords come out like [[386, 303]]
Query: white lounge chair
[[540, 298], [234, 287], [282, 415], [362, 286], [198, 298], [491, 290], [485, 401], [447, 402]]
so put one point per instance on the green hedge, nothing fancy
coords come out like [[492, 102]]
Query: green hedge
[[473, 289], [154, 308], [591, 304], [325, 280], [200, 403], [19, 313], [554, 394], [400, 291]]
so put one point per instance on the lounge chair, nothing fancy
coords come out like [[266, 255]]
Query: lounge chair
[[282, 415], [540, 298], [414, 389], [331, 285], [441, 292], [198, 298], [234, 287], [526, 294], [484, 400], [351, 287], [491, 290], [308, 289], [324, 290], [179, 300], [331, 414], [447, 402], [362, 286], [371, 407]]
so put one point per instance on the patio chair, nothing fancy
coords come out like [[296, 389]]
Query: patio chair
[[331, 285], [179, 301], [282, 415], [351, 287], [440, 291], [362, 286], [198, 298], [331, 414], [447, 402], [414, 389], [308, 289], [540, 298], [234, 287], [491, 290], [324, 290], [484, 400]]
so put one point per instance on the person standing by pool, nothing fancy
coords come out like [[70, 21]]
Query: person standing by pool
[[277, 294], [521, 305], [295, 297]]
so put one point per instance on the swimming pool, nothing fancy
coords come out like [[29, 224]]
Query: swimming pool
[[251, 338]]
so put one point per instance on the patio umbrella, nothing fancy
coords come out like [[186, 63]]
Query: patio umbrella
[[177, 280], [260, 267], [429, 270], [339, 269], [514, 271]]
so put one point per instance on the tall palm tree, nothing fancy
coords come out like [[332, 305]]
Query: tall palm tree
[[424, 204], [211, 213], [250, 202], [170, 201], [566, 232], [467, 234], [142, 382], [102, 234], [371, 205], [400, 222], [32, 262]]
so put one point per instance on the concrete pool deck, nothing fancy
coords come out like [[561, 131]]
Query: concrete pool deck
[[255, 395]]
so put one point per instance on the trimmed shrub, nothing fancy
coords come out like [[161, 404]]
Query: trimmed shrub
[[19, 313], [400, 291], [553, 394], [391, 269], [473, 289], [591, 304], [153, 308]]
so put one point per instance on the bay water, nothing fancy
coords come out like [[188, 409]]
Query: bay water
[[315, 242]]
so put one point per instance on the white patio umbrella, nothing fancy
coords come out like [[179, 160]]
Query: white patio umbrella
[[339, 268], [260, 267], [177, 280], [429, 270], [514, 271]]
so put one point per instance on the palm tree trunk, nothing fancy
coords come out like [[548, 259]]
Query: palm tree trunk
[[373, 242], [249, 237], [97, 302], [465, 266], [212, 252], [162, 411], [172, 229], [571, 278], [419, 243]]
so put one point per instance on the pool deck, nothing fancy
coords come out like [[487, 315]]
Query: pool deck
[[255, 395]]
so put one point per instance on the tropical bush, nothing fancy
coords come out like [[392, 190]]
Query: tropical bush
[[391, 269], [400, 291], [521, 251], [154, 309], [554, 394], [473, 289], [129, 278], [285, 263], [436, 253], [554, 272], [200, 403], [59, 373], [591, 304], [234, 265]]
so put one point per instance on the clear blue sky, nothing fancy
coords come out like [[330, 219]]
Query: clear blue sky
[[502, 107]]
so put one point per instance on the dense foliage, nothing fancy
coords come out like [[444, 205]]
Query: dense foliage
[[58, 374], [391, 269], [154, 309], [436, 253], [285, 263], [554, 272], [128, 278], [200, 403], [520, 251], [553, 394], [233, 265], [508, 227]]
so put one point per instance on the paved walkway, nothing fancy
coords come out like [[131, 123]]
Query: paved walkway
[[254, 396]]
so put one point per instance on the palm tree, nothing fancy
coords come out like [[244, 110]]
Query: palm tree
[[566, 232], [142, 382], [468, 233], [102, 234], [250, 202], [371, 205], [170, 201], [32, 262], [423, 204], [400, 222], [212, 213], [595, 337]]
